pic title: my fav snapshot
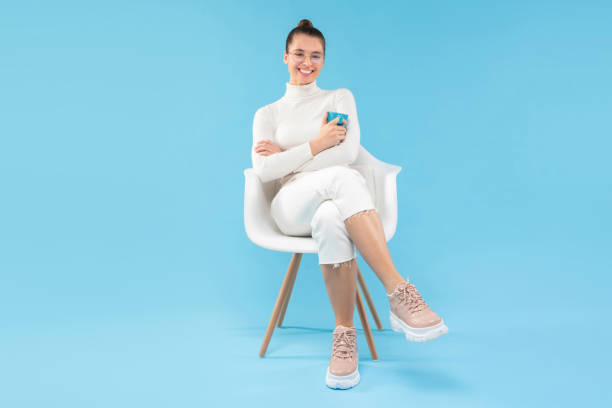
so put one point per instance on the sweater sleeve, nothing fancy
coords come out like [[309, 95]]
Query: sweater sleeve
[[346, 152], [276, 165]]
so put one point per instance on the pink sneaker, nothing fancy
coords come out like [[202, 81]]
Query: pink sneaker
[[342, 371], [410, 314]]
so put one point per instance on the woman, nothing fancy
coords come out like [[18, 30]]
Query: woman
[[319, 195]]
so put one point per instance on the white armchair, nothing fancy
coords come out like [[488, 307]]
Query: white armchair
[[262, 230]]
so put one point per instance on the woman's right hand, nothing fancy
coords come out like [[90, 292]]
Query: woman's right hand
[[330, 135]]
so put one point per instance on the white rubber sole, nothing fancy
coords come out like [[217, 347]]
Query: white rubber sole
[[416, 333], [342, 382]]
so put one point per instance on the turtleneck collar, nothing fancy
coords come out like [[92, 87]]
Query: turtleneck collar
[[301, 91]]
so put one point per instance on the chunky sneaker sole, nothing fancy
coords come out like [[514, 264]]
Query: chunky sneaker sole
[[417, 333], [342, 382]]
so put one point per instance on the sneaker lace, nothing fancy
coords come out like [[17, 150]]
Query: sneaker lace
[[410, 296], [343, 344]]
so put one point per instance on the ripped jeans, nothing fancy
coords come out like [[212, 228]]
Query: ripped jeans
[[317, 203]]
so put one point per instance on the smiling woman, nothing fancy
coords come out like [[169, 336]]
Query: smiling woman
[[319, 195], [285, 132], [306, 45]]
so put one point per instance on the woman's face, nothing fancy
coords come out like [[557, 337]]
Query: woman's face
[[306, 71]]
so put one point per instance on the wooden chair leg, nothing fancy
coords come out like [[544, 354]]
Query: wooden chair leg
[[293, 265], [368, 298], [366, 326], [286, 302]]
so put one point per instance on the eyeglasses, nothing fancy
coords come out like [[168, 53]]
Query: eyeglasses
[[299, 56]]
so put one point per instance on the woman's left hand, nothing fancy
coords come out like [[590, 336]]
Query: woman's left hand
[[266, 148]]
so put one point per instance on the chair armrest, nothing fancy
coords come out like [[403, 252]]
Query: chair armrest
[[259, 224], [257, 218], [386, 196]]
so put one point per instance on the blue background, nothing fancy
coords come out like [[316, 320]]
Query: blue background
[[127, 279]]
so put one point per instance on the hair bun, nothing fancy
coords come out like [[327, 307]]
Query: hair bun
[[304, 23]]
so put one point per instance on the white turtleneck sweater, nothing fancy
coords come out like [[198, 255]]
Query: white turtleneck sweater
[[292, 122]]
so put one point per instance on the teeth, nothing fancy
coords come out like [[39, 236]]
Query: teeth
[[305, 72]]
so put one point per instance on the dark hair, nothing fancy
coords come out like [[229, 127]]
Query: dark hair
[[304, 27]]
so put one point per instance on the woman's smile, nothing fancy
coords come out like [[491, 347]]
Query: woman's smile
[[305, 72]]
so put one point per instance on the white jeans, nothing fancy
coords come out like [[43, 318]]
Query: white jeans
[[317, 203]]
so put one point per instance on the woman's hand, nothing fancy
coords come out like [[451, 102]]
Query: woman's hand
[[266, 148], [330, 135]]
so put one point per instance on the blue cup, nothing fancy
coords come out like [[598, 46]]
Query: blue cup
[[332, 115]]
